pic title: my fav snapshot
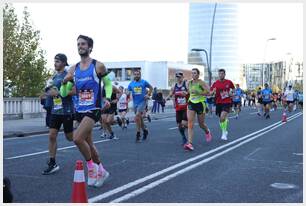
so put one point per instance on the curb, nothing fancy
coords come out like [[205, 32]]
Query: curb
[[24, 134]]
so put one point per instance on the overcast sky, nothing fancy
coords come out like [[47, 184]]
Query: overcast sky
[[159, 31]]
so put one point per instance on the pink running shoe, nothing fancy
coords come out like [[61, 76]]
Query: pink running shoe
[[188, 146], [208, 136]]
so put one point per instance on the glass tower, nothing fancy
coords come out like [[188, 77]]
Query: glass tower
[[225, 47]]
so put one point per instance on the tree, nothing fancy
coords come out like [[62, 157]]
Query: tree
[[24, 64]]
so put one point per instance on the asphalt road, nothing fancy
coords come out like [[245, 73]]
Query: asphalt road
[[261, 162]]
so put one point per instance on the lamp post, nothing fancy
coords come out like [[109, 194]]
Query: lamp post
[[264, 59], [207, 63]]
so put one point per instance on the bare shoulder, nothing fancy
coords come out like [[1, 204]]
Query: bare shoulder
[[100, 67], [72, 68]]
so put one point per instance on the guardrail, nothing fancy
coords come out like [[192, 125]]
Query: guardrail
[[22, 108], [30, 107]]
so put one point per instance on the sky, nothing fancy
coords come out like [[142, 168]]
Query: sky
[[159, 31]]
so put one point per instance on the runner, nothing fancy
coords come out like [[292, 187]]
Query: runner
[[197, 88], [289, 96], [61, 112], [266, 100], [140, 97], [87, 75], [259, 102], [108, 114], [180, 102], [237, 100], [210, 103], [123, 108], [300, 100], [274, 103], [222, 88]]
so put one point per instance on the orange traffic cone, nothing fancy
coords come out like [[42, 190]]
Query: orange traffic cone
[[284, 117], [79, 193]]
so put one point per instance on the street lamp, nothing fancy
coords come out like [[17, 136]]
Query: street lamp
[[207, 63], [264, 58]]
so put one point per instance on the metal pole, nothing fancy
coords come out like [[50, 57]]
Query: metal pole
[[210, 46], [208, 66]]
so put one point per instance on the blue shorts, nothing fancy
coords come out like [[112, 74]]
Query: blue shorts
[[140, 107]]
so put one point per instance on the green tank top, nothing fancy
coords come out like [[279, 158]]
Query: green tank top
[[195, 98]]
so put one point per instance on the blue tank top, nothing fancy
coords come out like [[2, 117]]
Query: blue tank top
[[266, 94], [88, 88]]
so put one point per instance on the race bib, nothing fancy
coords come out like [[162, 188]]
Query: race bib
[[181, 100], [267, 96], [237, 97], [137, 90], [57, 102], [86, 97], [224, 94], [122, 105]]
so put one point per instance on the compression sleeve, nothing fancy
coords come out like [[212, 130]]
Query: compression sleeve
[[107, 86]]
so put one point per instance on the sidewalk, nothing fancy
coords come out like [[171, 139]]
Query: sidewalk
[[26, 127]]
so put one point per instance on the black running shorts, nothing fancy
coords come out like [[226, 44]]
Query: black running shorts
[[199, 108], [93, 114], [56, 122], [223, 107], [181, 115]]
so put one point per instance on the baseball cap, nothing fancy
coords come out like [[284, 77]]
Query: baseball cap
[[62, 58], [179, 73]]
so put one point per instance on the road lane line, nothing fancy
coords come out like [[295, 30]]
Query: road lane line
[[46, 151], [193, 166], [141, 180]]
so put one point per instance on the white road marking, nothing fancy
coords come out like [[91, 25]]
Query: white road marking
[[46, 151], [193, 166], [298, 154], [144, 179]]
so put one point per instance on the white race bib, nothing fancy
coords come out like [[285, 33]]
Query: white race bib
[[86, 97]]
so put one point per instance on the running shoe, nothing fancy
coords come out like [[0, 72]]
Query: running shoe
[[104, 135], [101, 177], [92, 176], [138, 137], [127, 121], [188, 146], [145, 134], [52, 167], [149, 118], [119, 121], [224, 136], [208, 136], [268, 116], [113, 136], [258, 114]]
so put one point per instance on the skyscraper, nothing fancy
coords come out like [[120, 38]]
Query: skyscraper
[[225, 47]]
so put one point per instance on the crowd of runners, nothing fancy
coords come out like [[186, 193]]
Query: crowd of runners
[[84, 94]]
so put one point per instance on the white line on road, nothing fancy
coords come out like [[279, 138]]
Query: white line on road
[[253, 112], [193, 166], [144, 179], [46, 151], [298, 154]]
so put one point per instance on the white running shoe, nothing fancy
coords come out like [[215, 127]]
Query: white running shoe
[[92, 176], [224, 135], [102, 176]]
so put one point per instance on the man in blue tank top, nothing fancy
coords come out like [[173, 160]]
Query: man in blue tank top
[[266, 100], [88, 75], [62, 110], [140, 97], [237, 100]]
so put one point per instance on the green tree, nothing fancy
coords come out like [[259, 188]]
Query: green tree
[[24, 64]]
